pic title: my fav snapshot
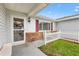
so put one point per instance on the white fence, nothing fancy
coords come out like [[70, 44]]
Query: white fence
[[71, 35], [48, 36]]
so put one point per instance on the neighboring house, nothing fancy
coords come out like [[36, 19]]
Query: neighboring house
[[69, 26]]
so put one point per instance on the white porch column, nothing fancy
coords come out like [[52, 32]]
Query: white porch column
[[45, 37], [42, 26], [54, 26]]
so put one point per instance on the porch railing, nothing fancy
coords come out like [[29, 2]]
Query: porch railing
[[48, 36]]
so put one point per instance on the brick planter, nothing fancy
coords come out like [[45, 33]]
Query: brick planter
[[33, 36]]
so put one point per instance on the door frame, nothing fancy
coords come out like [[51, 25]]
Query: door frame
[[12, 19]]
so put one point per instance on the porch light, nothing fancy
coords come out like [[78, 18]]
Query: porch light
[[29, 19]]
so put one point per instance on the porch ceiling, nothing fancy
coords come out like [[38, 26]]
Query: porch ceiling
[[28, 8]]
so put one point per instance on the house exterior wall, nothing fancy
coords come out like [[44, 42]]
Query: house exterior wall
[[6, 28], [3, 27], [69, 25], [46, 25], [6, 24], [69, 28], [30, 26], [10, 16]]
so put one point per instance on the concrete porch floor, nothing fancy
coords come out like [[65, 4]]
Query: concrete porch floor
[[27, 49]]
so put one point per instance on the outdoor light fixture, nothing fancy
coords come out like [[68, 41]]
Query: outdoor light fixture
[[28, 19]]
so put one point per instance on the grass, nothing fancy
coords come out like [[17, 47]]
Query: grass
[[61, 48]]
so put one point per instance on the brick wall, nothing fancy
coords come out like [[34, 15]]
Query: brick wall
[[33, 36]]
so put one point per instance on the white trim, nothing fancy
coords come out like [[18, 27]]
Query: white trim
[[54, 26], [67, 18], [19, 42], [43, 26], [59, 36], [46, 34]]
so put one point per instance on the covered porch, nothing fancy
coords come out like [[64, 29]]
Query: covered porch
[[22, 32], [17, 20]]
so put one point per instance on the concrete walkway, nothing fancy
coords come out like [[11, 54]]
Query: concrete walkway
[[27, 50]]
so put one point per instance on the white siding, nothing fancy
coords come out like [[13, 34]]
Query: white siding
[[30, 26], [8, 27], [69, 26], [11, 14], [3, 29]]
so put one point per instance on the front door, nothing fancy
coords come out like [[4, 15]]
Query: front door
[[18, 29]]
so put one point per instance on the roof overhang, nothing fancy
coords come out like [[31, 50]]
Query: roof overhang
[[44, 18], [67, 18], [28, 8]]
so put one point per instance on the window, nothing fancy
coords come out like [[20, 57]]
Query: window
[[18, 29], [40, 26], [18, 23], [18, 35], [45, 26]]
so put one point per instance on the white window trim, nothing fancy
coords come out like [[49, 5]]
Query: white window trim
[[42, 27], [18, 42]]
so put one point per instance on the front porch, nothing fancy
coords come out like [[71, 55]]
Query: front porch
[[26, 32], [30, 49]]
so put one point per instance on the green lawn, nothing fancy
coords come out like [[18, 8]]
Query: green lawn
[[61, 48]]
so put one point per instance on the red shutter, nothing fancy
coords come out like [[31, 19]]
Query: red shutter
[[37, 25]]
